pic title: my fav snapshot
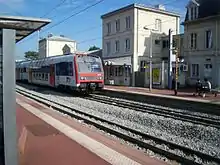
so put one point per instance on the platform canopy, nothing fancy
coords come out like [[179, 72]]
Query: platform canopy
[[24, 26]]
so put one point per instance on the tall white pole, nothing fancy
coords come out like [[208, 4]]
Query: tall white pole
[[170, 59], [38, 39], [150, 85]]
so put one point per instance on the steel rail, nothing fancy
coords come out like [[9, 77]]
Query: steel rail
[[124, 136]]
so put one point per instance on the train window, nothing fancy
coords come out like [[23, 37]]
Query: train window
[[46, 77], [89, 64], [70, 69], [62, 69], [57, 69]]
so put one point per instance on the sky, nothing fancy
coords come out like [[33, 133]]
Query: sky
[[85, 27]]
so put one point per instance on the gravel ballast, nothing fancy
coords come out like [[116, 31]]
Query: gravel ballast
[[196, 137]]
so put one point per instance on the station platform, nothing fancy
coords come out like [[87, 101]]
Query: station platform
[[48, 137], [183, 94]]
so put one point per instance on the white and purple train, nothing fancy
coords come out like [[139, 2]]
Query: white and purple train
[[79, 72]]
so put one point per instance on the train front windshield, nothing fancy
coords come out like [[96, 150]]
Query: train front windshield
[[89, 64]]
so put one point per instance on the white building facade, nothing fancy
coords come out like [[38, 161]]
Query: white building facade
[[56, 45], [201, 41], [126, 39]]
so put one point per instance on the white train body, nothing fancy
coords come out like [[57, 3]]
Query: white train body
[[77, 72]]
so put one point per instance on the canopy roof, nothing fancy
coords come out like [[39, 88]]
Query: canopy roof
[[24, 26]]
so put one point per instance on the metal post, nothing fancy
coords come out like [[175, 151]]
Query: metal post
[[176, 73], [170, 59], [177, 61], [150, 85], [38, 39]]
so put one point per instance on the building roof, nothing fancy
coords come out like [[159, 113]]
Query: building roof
[[118, 61], [207, 8], [58, 38], [140, 6], [89, 52], [24, 26]]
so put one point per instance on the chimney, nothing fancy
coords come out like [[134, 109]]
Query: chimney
[[50, 35], [160, 7]]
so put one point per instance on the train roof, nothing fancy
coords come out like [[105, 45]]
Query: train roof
[[49, 60]]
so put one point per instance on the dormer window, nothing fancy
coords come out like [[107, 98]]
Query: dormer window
[[193, 12]]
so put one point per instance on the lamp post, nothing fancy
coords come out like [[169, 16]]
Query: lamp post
[[178, 59], [150, 57]]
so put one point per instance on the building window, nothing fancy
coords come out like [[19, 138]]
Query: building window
[[128, 22], [120, 70], [143, 66], [157, 42], [207, 70], [116, 71], [111, 71], [193, 13], [109, 28], [195, 70], [117, 25], [208, 39], [127, 45], [108, 48], [117, 46], [165, 43], [158, 25], [193, 40]]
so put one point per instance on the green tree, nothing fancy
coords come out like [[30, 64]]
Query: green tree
[[31, 55], [93, 48]]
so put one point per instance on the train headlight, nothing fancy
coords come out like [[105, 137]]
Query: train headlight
[[99, 78], [82, 78]]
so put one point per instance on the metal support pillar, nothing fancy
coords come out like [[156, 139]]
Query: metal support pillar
[[170, 59], [176, 77], [151, 45], [177, 67], [8, 100]]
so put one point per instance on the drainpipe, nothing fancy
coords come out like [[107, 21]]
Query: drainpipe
[[135, 54], [216, 52]]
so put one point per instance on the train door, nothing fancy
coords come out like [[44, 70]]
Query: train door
[[30, 75], [17, 73], [52, 75]]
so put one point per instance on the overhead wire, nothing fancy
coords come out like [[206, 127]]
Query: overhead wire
[[74, 8], [100, 37], [96, 27], [15, 11], [54, 8], [92, 27], [170, 20], [62, 21]]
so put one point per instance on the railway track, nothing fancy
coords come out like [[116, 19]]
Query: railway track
[[168, 149], [183, 116]]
